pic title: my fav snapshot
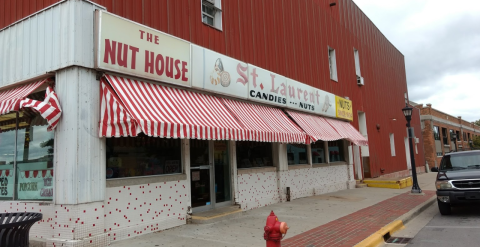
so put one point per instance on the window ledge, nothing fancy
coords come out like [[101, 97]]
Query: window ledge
[[338, 163], [144, 180], [320, 165], [218, 29], [241, 171], [299, 166]]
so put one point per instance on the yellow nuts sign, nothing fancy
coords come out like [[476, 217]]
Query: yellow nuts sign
[[344, 108]]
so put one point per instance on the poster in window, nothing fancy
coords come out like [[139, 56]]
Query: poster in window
[[35, 184], [6, 183], [196, 176], [172, 166]]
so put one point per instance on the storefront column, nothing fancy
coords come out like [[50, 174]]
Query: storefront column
[[79, 161], [233, 171], [186, 170], [281, 162], [79, 152]]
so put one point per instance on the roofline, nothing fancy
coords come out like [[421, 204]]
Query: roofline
[[49, 7]]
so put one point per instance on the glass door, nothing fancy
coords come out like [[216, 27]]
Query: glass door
[[200, 174], [210, 174], [222, 174]]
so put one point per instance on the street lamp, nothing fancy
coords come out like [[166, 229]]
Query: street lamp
[[407, 111]]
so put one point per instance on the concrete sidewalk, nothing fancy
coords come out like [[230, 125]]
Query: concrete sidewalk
[[305, 216]]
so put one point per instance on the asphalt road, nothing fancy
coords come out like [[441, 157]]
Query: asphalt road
[[431, 229]]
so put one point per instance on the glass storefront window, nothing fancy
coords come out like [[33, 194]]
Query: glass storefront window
[[253, 154], [142, 156], [26, 170], [34, 158], [318, 152], [7, 155], [335, 151], [297, 154]]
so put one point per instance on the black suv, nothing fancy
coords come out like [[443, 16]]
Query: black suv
[[458, 180]]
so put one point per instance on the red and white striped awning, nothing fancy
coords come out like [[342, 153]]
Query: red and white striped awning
[[115, 121], [347, 131], [316, 127], [166, 112], [16, 98], [266, 124]]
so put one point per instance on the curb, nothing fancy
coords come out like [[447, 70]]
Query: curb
[[378, 237]]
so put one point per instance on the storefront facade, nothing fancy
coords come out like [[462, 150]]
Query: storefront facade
[[115, 129]]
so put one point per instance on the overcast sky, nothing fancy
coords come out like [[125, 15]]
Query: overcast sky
[[440, 40]]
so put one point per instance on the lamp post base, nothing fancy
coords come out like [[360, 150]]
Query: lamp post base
[[416, 191]]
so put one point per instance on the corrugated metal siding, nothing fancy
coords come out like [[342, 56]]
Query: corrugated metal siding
[[79, 153], [289, 37], [57, 37]]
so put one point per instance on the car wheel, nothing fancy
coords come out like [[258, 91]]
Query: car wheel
[[445, 208]]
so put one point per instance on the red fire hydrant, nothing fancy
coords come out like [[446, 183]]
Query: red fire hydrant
[[274, 231]]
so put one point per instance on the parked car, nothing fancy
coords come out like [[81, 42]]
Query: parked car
[[458, 180]]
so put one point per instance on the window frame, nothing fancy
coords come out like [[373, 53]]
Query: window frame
[[332, 63], [15, 164], [436, 133], [356, 56], [217, 16], [392, 144]]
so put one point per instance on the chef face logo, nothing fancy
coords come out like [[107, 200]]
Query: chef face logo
[[219, 75]]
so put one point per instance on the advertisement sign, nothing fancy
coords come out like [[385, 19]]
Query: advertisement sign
[[344, 108], [6, 182], [266, 87], [127, 47], [215, 72], [305, 98], [35, 184]]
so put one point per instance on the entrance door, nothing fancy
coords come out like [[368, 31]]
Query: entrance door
[[210, 174]]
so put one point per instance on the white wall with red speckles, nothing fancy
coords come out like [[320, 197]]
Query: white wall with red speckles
[[261, 189], [257, 190], [43, 228], [135, 210], [313, 181]]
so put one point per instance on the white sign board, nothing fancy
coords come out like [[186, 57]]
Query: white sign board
[[127, 47], [303, 97], [216, 72], [266, 87]]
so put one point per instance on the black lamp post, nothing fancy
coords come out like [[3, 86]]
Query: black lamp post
[[407, 111]]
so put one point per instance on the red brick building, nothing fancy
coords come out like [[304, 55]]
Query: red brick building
[[443, 133]]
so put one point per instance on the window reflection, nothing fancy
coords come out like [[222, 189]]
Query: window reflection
[[7, 155], [335, 151], [34, 158], [318, 152], [297, 154], [142, 156], [253, 154]]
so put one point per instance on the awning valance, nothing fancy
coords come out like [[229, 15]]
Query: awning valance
[[15, 99], [316, 127], [347, 131], [164, 112], [266, 124]]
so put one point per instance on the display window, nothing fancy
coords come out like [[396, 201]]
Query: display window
[[297, 154], [26, 160], [336, 151], [142, 156], [253, 154], [318, 152]]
